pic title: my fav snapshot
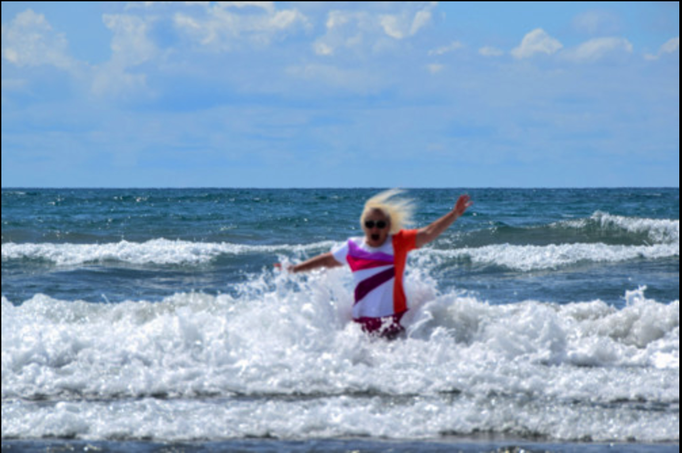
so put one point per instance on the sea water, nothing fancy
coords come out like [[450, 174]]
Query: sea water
[[140, 319]]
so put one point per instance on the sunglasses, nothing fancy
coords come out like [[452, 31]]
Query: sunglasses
[[369, 224]]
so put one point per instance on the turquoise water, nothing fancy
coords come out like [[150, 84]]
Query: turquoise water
[[156, 315]]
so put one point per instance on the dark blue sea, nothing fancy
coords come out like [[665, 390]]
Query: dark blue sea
[[153, 320]]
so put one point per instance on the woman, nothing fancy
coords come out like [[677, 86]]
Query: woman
[[377, 260]]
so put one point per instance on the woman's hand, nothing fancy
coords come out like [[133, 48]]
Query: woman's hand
[[463, 203], [284, 267]]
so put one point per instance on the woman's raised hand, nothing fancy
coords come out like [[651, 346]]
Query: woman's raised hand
[[463, 203]]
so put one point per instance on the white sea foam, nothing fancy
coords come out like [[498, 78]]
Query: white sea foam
[[526, 258], [663, 235], [165, 252], [282, 359], [156, 251]]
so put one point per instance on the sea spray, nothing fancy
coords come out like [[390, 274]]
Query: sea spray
[[285, 346]]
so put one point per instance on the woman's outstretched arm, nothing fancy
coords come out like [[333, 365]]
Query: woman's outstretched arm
[[432, 231], [324, 260]]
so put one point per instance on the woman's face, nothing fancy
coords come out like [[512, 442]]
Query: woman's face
[[376, 226]]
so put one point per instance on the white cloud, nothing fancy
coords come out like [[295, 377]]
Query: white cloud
[[147, 5], [345, 29], [421, 19], [221, 29], [322, 48], [269, 7], [282, 20], [670, 46], [393, 27], [405, 24], [489, 51], [130, 47], [130, 44], [598, 48], [537, 41], [455, 45], [29, 40], [336, 19], [360, 30]]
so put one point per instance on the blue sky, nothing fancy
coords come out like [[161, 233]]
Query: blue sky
[[245, 94]]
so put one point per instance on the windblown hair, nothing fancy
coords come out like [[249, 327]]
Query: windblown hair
[[399, 210]]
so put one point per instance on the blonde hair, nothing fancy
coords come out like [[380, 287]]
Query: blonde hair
[[398, 210]]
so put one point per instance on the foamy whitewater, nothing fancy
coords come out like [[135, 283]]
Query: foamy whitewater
[[555, 321]]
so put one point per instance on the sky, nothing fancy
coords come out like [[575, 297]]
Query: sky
[[316, 94]]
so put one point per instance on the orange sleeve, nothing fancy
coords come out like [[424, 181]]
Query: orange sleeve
[[406, 240], [403, 242]]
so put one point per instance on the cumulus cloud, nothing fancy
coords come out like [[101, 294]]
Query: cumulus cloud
[[670, 46], [221, 29], [130, 47], [344, 29], [30, 40], [269, 7], [598, 48], [366, 29], [130, 44], [537, 41], [400, 26]]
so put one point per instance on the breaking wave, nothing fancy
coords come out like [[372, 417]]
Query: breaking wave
[[283, 359]]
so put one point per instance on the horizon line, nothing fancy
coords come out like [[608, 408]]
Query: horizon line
[[331, 188]]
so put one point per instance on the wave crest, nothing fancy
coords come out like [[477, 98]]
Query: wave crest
[[156, 251], [657, 231]]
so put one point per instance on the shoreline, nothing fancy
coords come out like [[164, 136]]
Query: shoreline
[[465, 444]]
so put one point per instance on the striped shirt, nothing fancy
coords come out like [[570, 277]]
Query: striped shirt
[[378, 277]]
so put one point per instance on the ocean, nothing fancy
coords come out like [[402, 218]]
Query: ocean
[[154, 320]]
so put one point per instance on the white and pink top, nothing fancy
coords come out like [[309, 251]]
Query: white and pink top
[[378, 272]]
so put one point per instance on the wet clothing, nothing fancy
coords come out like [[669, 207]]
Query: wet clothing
[[378, 272]]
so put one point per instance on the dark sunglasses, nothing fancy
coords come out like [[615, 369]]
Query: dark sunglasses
[[369, 224]]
